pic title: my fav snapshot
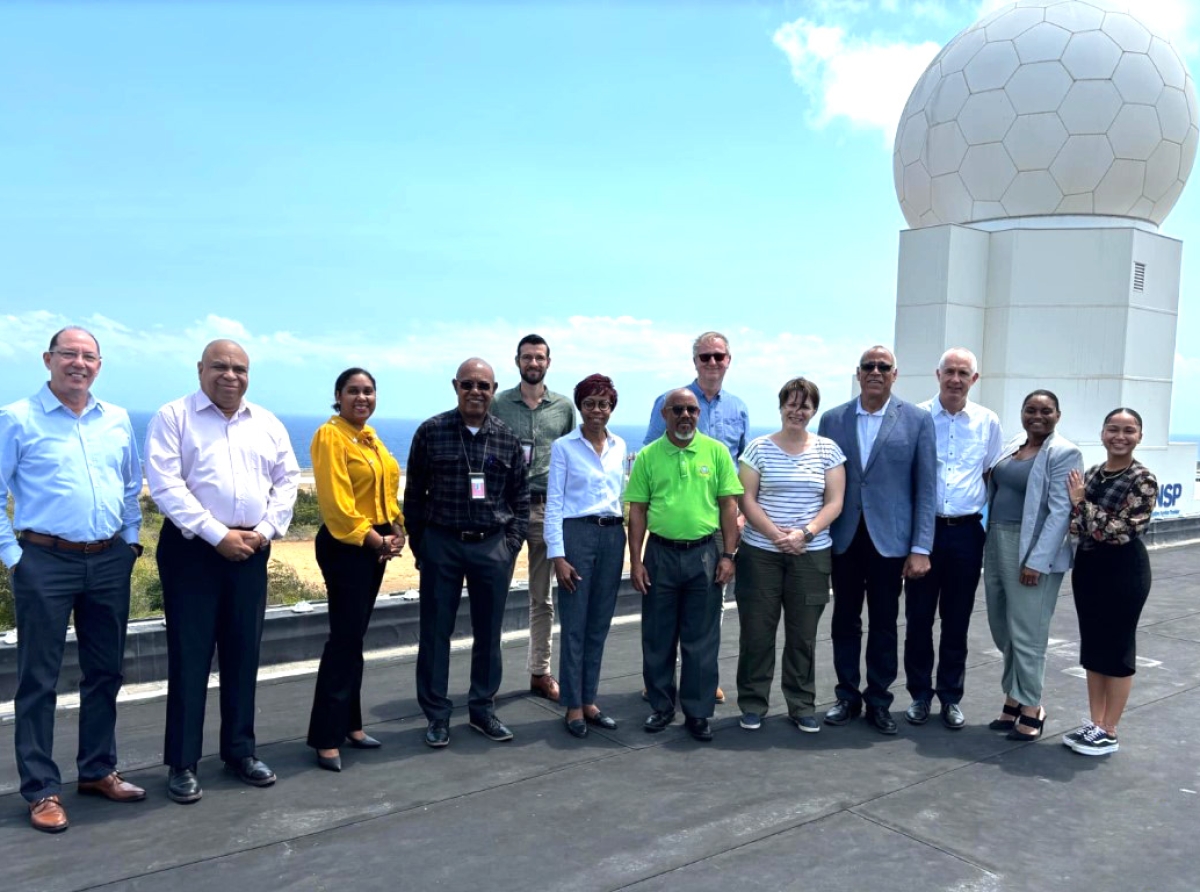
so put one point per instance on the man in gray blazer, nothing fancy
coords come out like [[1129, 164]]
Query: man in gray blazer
[[884, 534]]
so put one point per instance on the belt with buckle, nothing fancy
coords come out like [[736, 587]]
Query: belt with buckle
[[67, 545], [469, 535], [601, 520], [961, 520], [682, 544]]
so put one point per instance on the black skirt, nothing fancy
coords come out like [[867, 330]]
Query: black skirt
[[1110, 584]]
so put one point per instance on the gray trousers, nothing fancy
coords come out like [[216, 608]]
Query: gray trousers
[[683, 605], [1019, 615]]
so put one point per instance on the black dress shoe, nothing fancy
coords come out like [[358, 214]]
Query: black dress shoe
[[250, 770], [881, 719], [600, 720], [182, 785], [699, 729], [438, 733], [577, 727], [366, 742], [952, 716], [492, 728], [842, 712], [658, 721], [918, 712], [330, 763]]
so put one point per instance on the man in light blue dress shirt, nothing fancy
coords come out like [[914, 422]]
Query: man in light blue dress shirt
[[723, 416], [968, 442], [71, 464]]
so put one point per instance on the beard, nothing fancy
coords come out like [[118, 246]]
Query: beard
[[686, 437], [533, 376]]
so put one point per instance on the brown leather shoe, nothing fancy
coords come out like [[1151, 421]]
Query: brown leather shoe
[[544, 686], [114, 788], [720, 697], [48, 815]]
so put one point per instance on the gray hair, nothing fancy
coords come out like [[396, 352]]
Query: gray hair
[[708, 336], [974, 363]]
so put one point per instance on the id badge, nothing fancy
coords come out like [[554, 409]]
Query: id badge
[[527, 447], [478, 487]]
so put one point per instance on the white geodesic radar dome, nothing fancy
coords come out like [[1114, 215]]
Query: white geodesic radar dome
[[1048, 107]]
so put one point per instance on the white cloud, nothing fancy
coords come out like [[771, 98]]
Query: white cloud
[[144, 366], [865, 82]]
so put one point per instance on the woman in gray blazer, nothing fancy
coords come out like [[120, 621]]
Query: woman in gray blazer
[[1027, 553]]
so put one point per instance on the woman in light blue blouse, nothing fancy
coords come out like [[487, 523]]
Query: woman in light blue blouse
[[585, 538]]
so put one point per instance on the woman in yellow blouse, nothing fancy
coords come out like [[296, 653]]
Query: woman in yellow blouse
[[357, 484]]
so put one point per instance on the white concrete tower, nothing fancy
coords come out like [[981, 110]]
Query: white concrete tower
[[1035, 160]]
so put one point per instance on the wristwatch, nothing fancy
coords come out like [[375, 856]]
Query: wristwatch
[[809, 535], [731, 555]]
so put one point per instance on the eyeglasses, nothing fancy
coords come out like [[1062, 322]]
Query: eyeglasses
[[884, 367], [481, 386], [712, 357], [682, 410], [592, 405], [72, 355]]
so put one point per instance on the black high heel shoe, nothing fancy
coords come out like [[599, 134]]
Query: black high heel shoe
[[367, 742], [1028, 721], [1005, 724], [330, 763]]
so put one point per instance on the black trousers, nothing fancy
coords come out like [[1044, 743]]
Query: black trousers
[[861, 572], [210, 603], [487, 567], [352, 575], [949, 591], [682, 606], [48, 584]]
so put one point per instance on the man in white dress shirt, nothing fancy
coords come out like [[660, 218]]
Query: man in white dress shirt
[[969, 440], [223, 473]]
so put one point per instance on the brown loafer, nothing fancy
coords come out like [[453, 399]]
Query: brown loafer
[[114, 788], [48, 815], [544, 686]]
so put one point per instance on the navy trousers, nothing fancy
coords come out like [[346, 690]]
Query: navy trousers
[[487, 568], [861, 572], [210, 604], [949, 591], [48, 584]]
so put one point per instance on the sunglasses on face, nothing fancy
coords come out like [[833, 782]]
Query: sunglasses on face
[[689, 410], [884, 367], [481, 386], [712, 357]]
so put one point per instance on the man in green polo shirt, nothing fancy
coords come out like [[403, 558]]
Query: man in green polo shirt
[[683, 489], [538, 417]]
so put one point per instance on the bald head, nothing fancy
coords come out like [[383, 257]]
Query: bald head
[[475, 384], [224, 374]]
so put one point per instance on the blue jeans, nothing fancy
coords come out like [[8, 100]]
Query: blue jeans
[[598, 555]]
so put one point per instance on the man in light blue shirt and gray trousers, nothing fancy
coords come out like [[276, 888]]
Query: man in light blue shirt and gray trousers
[[71, 464]]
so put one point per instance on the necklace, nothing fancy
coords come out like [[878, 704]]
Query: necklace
[[1106, 476]]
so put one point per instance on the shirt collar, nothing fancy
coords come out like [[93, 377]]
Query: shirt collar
[[203, 402], [859, 410], [50, 402], [577, 434], [939, 409], [690, 447], [695, 388]]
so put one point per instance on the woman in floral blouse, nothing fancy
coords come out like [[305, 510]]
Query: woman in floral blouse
[[1111, 505]]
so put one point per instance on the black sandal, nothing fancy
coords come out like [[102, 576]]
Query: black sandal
[[1005, 724], [1029, 721]]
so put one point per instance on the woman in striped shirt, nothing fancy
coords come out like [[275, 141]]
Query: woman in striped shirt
[[794, 482]]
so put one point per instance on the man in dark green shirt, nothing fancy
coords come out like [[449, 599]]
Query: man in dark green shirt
[[538, 417]]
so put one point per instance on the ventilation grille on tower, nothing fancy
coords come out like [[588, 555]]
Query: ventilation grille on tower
[[1139, 276]]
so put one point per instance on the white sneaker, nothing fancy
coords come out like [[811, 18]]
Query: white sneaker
[[1096, 742]]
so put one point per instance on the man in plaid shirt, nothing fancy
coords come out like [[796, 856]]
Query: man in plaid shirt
[[466, 507]]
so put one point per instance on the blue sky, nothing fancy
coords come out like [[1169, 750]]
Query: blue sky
[[402, 185]]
